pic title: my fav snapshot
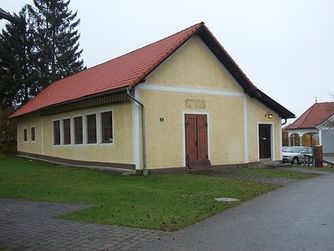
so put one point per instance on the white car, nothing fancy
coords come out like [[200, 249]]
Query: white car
[[295, 154]]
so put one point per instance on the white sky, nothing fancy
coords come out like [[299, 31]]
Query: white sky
[[284, 46]]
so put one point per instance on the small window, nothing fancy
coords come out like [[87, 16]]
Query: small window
[[25, 134], [67, 131], [32, 134], [106, 127], [78, 139], [56, 132], [91, 129]]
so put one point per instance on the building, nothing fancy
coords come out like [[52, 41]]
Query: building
[[179, 102], [316, 121]]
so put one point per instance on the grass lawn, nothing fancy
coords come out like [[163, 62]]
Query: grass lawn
[[166, 202], [278, 173]]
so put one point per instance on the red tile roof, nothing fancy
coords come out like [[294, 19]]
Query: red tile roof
[[123, 71], [132, 68], [313, 116]]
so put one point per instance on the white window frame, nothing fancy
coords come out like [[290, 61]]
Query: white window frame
[[83, 130], [53, 132], [112, 127], [97, 129], [31, 127], [62, 134], [26, 128]]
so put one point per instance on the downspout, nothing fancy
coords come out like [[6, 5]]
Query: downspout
[[142, 127], [285, 120]]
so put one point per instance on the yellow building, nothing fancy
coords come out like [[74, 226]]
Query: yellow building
[[179, 102]]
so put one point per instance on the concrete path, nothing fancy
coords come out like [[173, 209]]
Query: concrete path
[[28, 225], [260, 178], [296, 217], [306, 170], [239, 175]]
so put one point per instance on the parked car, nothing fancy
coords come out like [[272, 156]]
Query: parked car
[[295, 154]]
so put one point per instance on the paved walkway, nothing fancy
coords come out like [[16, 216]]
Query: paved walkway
[[238, 174], [260, 179], [296, 217], [27, 225], [306, 170]]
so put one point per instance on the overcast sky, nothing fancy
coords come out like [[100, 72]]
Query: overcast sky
[[285, 46]]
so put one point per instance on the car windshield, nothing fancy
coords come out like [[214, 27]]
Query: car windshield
[[292, 149]]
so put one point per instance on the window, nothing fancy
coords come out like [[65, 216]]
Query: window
[[32, 134], [91, 129], [106, 127], [25, 134], [67, 131], [78, 139], [56, 132]]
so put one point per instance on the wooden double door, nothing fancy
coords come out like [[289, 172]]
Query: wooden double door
[[196, 133]]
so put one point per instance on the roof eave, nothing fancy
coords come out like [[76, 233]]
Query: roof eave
[[123, 89], [249, 88]]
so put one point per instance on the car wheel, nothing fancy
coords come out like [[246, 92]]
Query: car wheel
[[295, 161]]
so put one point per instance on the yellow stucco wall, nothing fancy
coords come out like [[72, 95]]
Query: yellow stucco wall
[[256, 115], [165, 140], [120, 151], [29, 146], [194, 65], [191, 73]]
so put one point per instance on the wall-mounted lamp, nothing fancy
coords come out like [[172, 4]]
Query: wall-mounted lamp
[[268, 115]]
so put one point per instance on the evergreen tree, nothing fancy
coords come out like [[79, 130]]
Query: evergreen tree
[[56, 39], [18, 76]]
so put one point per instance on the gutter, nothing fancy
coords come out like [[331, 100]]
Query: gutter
[[142, 127], [67, 102]]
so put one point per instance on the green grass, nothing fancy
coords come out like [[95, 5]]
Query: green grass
[[165, 202], [278, 173]]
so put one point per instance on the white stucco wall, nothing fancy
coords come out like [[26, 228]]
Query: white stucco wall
[[327, 141]]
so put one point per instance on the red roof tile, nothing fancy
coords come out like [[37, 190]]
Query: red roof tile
[[315, 115], [132, 68], [121, 72]]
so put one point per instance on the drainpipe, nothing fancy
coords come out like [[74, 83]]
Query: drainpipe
[[285, 120], [142, 127]]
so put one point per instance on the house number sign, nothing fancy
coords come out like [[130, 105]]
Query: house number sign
[[195, 103]]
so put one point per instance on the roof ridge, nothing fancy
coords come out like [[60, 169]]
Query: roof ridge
[[133, 67], [170, 52], [123, 55], [302, 118], [322, 111], [325, 102], [230, 57], [129, 52]]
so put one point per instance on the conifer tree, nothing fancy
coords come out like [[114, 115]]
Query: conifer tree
[[56, 39], [18, 76]]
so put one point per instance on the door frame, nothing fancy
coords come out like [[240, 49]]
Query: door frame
[[184, 132], [272, 137]]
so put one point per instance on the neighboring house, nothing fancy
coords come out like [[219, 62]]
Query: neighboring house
[[318, 122], [179, 102]]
